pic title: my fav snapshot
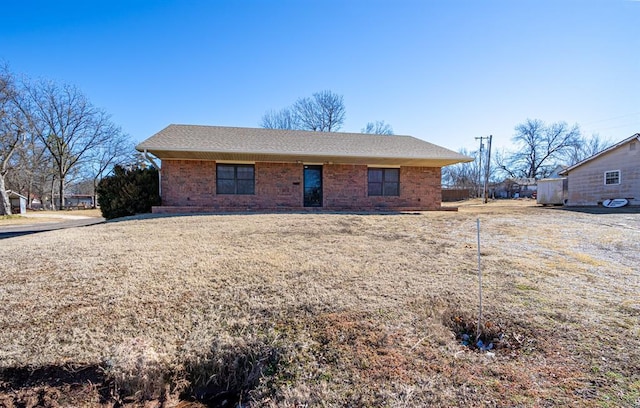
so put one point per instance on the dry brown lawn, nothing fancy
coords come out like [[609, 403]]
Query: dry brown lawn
[[325, 310]]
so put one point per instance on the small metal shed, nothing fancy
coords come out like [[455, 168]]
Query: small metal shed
[[552, 191], [18, 202]]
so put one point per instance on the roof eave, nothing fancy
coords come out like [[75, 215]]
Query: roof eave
[[303, 158]]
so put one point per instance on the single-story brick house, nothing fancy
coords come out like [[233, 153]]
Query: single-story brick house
[[612, 173], [214, 168]]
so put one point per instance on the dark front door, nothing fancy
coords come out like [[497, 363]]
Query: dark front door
[[313, 186]]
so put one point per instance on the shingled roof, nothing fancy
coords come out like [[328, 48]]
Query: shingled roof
[[275, 145]]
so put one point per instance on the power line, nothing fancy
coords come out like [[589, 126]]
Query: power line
[[612, 118]]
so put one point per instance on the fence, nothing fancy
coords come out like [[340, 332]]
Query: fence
[[455, 194]]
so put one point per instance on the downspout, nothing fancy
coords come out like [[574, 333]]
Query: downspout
[[153, 162]]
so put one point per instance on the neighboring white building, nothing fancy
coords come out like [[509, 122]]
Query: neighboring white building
[[612, 173]]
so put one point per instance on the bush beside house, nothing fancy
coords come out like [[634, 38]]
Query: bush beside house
[[128, 192]]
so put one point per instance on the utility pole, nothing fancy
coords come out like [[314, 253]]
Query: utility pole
[[487, 171], [481, 138], [485, 188]]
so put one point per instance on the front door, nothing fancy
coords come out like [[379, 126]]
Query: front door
[[313, 186]]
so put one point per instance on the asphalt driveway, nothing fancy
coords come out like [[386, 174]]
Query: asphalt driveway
[[10, 231]]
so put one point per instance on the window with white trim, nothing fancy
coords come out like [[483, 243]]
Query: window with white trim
[[611, 177]]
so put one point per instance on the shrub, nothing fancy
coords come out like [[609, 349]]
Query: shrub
[[128, 192]]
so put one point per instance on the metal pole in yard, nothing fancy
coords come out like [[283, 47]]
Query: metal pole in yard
[[479, 285], [485, 196]]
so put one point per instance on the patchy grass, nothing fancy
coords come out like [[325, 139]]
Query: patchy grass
[[90, 212], [93, 212], [326, 310], [12, 220]]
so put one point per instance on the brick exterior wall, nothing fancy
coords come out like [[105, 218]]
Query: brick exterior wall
[[187, 183], [189, 186], [345, 187]]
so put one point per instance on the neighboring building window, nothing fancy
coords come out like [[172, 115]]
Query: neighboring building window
[[384, 182], [612, 177], [235, 179]]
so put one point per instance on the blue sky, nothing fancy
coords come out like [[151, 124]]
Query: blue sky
[[445, 71]]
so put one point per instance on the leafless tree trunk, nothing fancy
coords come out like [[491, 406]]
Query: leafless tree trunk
[[5, 208], [11, 132], [52, 200]]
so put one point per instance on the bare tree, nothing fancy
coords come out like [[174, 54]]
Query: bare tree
[[12, 131], [587, 148], [282, 119], [32, 169], [541, 146], [463, 175], [117, 150], [322, 112], [502, 164], [330, 111], [379, 127], [68, 125]]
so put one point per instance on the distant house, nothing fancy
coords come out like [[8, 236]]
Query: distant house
[[514, 188], [524, 187], [555, 173], [75, 201], [612, 173], [213, 168], [79, 200]]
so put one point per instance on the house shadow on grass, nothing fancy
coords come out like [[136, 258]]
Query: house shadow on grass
[[149, 216], [40, 383], [599, 210]]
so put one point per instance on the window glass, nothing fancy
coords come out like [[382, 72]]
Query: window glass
[[375, 189], [245, 172], [384, 182], [612, 177], [391, 175], [225, 172], [375, 175], [245, 187], [226, 186], [391, 189], [235, 179]]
